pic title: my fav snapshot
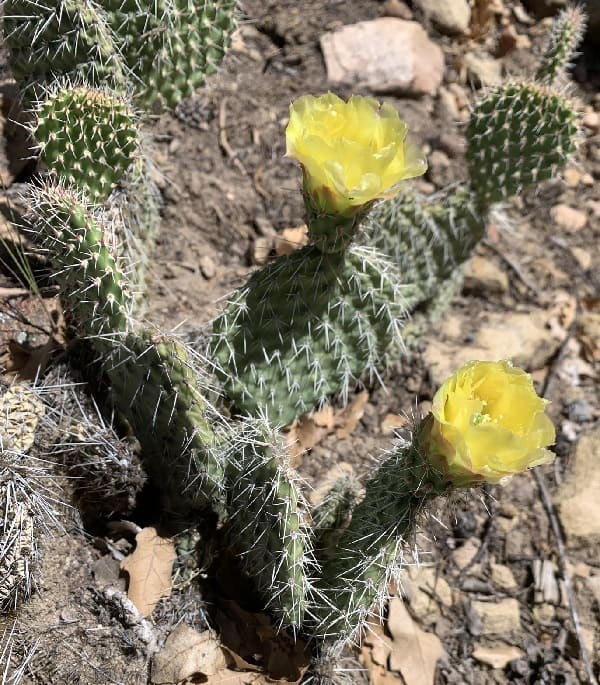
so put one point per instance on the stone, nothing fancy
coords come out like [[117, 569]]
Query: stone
[[593, 583], [483, 70], [568, 218], [428, 590], [398, 9], [385, 55], [503, 577], [207, 266], [522, 337], [498, 618], [462, 556], [482, 275], [578, 497], [591, 120], [497, 657], [451, 17]]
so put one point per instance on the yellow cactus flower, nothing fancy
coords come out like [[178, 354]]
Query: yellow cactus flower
[[351, 152], [487, 423]]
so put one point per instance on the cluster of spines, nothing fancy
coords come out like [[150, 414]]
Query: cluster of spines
[[307, 326], [87, 136]]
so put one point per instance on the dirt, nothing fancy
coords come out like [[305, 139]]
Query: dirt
[[227, 188]]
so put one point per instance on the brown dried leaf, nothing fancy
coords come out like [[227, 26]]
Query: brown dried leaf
[[349, 417], [392, 422], [149, 568], [290, 239], [187, 653], [415, 653]]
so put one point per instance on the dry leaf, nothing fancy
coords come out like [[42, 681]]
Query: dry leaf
[[392, 422], [149, 568], [290, 239], [497, 657], [352, 414], [415, 653], [374, 654], [187, 653]]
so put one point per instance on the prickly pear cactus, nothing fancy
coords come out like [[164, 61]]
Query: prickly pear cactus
[[88, 137], [170, 46], [565, 35], [519, 135], [370, 549], [305, 327], [66, 38], [268, 521]]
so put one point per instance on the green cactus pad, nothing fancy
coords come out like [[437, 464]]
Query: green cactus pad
[[162, 397], [356, 576], [87, 136], [267, 519], [170, 46], [427, 237], [66, 38], [305, 327], [81, 249], [519, 135]]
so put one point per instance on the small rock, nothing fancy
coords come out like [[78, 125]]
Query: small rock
[[106, 572], [429, 580], [447, 107], [451, 17], [572, 177], [593, 583], [544, 613], [583, 257], [503, 577], [398, 9], [579, 495], [483, 70], [507, 41], [385, 55], [568, 218], [545, 583], [207, 266], [497, 657], [581, 411], [498, 618], [452, 144], [463, 555], [483, 275], [263, 226], [438, 168], [591, 120]]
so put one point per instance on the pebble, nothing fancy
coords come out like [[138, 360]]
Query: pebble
[[498, 618], [503, 577], [497, 657], [385, 55], [591, 120], [207, 266], [581, 411], [463, 555], [483, 70], [451, 17], [398, 9], [568, 218], [484, 276]]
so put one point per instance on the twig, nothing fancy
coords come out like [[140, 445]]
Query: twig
[[555, 521]]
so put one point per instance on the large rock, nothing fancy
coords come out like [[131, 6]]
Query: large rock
[[385, 55], [448, 16]]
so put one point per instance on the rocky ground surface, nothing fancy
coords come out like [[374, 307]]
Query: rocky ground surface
[[495, 592]]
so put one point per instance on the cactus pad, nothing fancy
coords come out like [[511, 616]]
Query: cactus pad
[[170, 46], [268, 522], [519, 135], [82, 253], [565, 35], [305, 327], [87, 137], [65, 38]]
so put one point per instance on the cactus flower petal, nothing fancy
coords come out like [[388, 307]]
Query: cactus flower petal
[[351, 152], [488, 423]]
